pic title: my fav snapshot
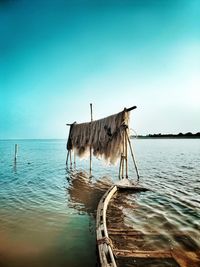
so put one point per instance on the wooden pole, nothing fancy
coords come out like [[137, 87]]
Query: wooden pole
[[67, 158], [131, 108], [69, 151], [132, 154], [91, 112], [120, 166], [70, 156], [74, 158], [123, 158], [16, 150], [90, 134], [126, 153]]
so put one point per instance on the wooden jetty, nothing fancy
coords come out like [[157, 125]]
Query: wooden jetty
[[116, 246]]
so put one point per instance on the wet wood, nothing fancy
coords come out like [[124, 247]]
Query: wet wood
[[67, 158], [131, 232], [104, 246], [16, 151], [105, 249], [186, 258], [118, 245], [70, 157], [142, 254]]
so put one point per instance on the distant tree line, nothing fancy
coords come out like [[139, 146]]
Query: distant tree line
[[180, 135]]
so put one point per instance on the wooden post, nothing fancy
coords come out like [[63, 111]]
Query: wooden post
[[69, 151], [123, 158], [74, 158], [90, 134], [133, 156], [120, 166], [16, 150], [70, 156], [67, 158], [126, 153]]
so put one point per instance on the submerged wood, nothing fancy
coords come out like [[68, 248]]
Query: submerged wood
[[105, 247], [16, 150], [111, 255]]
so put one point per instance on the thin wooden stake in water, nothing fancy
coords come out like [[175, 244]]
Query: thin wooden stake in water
[[69, 151], [74, 159], [16, 150], [133, 156], [90, 132], [67, 158], [70, 157]]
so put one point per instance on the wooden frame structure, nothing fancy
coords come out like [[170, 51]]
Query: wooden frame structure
[[107, 252], [123, 165]]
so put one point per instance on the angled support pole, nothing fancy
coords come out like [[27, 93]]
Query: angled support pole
[[132, 154]]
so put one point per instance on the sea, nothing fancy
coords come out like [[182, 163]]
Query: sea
[[47, 209]]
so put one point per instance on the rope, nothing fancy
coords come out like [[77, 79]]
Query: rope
[[105, 240]]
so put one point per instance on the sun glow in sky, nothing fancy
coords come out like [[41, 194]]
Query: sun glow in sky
[[58, 56]]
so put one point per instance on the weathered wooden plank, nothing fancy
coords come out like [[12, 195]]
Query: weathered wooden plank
[[186, 258], [142, 254], [131, 232]]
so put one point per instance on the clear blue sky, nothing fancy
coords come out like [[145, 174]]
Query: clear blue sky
[[57, 56]]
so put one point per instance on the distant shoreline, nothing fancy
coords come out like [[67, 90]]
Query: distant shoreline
[[169, 136]]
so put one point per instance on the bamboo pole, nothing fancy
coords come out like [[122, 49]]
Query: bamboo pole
[[126, 153], [132, 154], [16, 150], [70, 156], [131, 108], [91, 114], [123, 159], [74, 158], [69, 151], [120, 166], [67, 159]]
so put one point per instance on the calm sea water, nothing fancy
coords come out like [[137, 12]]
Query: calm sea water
[[47, 212]]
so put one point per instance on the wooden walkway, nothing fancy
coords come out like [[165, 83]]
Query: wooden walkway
[[117, 246]]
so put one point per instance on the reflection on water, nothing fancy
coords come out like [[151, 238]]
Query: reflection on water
[[85, 192], [47, 212]]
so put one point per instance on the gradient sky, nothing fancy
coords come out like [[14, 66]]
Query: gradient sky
[[58, 56]]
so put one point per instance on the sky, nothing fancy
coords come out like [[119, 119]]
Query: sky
[[58, 56]]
